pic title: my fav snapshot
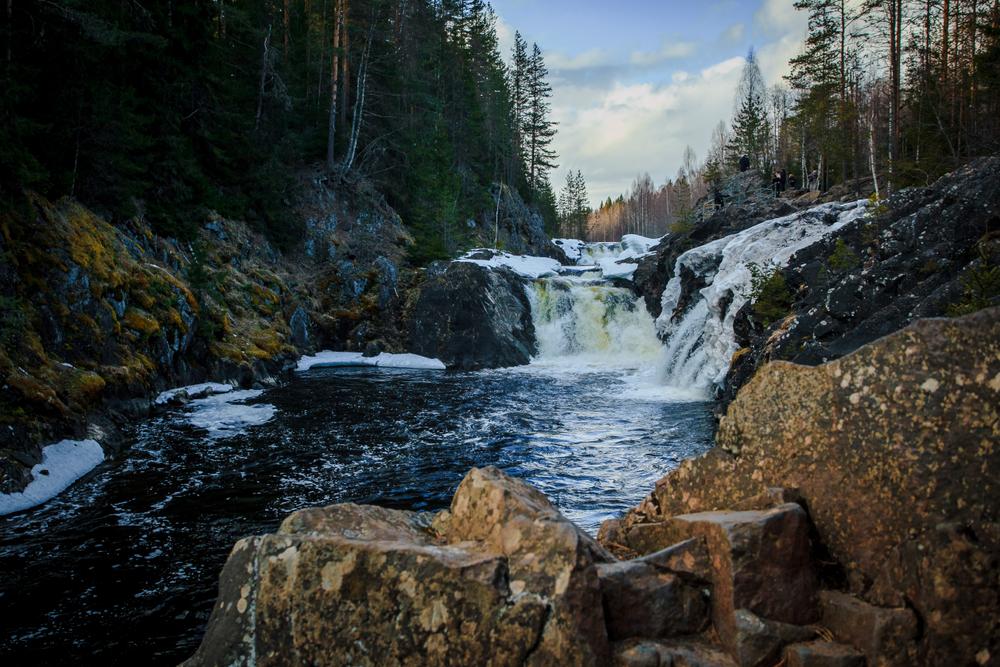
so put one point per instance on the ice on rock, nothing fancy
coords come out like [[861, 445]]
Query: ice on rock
[[224, 415], [62, 464], [700, 341], [192, 391], [331, 359], [525, 266]]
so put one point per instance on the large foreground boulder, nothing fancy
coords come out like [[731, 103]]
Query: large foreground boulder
[[502, 578], [470, 317], [893, 450]]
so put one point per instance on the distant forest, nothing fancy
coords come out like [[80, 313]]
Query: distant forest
[[170, 109], [885, 94]]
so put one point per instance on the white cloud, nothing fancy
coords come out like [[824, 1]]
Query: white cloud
[[669, 51], [614, 134], [779, 17], [734, 33], [505, 38], [561, 62]]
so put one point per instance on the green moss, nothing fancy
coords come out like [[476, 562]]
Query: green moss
[[85, 388], [140, 321]]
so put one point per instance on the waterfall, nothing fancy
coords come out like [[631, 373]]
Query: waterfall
[[700, 341], [589, 321]]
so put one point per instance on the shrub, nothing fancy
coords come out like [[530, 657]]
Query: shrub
[[843, 258], [769, 294], [980, 285]]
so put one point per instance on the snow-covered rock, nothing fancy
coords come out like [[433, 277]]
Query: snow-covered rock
[[697, 326], [62, 464], [329, 358], [525, 266], [192, 391]]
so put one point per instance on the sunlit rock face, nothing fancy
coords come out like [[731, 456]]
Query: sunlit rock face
[[893, 451], [501, 578]]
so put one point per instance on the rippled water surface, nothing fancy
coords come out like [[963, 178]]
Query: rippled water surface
[[122, 567]]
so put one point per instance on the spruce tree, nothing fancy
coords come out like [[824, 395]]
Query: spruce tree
[[538, 129]]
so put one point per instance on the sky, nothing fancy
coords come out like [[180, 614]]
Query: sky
[[635, 81]]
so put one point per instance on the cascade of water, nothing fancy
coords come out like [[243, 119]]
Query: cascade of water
[[591, 321], [699, 341]]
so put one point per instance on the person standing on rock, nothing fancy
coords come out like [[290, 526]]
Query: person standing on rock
[[744, 163]]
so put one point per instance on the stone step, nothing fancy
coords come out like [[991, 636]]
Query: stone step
[[823, 654], [883, 634], [760, 563]]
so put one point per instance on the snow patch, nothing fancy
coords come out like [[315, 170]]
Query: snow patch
[[611, 268], [331, 359], [192, 391], [62, 464], [223, 415], [525, 266], [636, 246]]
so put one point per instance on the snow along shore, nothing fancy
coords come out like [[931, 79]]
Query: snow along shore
[[62, 464], [331, 359]]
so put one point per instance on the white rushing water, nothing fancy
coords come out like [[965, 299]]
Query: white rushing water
[[593, 322], [586, 322], [700, 341]]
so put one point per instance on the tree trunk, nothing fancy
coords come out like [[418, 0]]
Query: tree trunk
[[10, 29], [286, 26], [331, 125], [263, 79], [359, 101], [345, 62]]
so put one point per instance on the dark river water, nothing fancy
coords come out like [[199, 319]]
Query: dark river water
[[121, 569]]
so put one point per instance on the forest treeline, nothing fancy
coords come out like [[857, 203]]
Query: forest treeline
[[885, 94], [170, 109]]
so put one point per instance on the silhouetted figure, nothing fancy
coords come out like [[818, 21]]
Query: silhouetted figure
[[717, 195], [784, 179], [744, 163], [793, 182]]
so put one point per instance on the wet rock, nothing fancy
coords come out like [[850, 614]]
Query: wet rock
[[299, 325], [822, 654], [501, 579], [641, 600], [884, 635], [472, 317], [893, 449]]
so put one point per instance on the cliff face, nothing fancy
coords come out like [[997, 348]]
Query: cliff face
[[925, 252]]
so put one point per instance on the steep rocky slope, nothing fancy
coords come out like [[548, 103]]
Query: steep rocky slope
[[925, 252], [99, 317]]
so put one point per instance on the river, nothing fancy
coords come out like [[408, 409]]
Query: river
[[121, 569]]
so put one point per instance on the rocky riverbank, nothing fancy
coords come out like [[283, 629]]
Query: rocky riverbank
[[847, 517], [98, 318]]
